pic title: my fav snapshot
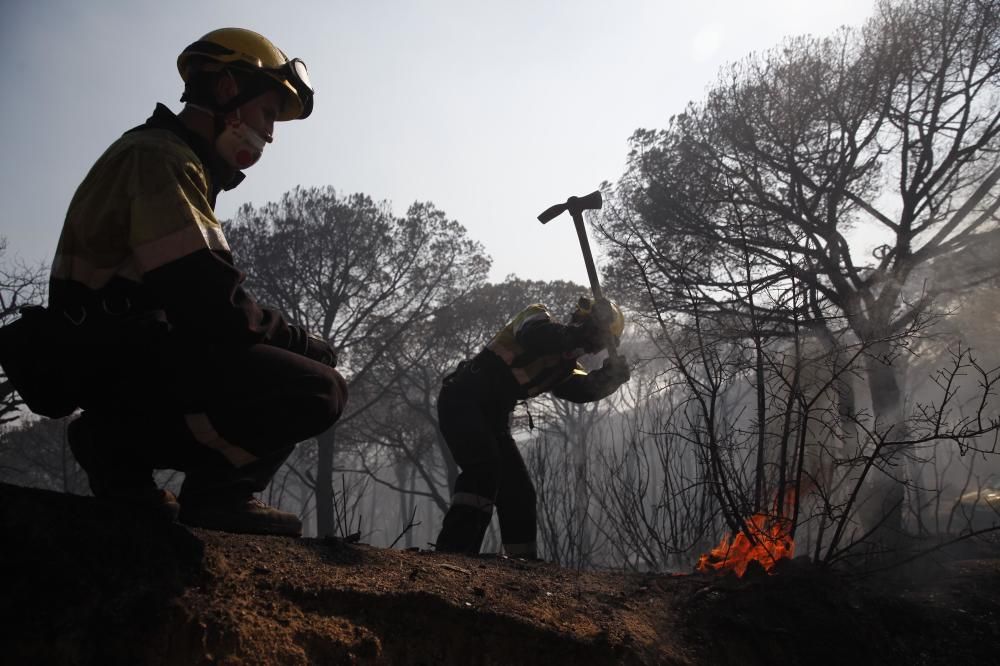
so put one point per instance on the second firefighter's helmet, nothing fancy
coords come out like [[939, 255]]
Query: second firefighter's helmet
[[602, 314], [251, 52]]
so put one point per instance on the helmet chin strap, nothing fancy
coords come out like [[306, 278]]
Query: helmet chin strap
[[217, 116], [199, 107]]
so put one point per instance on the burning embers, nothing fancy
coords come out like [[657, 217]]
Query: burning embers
[[764, 539]]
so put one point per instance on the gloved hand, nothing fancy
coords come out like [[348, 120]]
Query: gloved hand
[[616, 369], [312, 346], [320, 350]]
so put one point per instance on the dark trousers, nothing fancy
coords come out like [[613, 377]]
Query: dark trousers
[[144, 394], [474, 417]]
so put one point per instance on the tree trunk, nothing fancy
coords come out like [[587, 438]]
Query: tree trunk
[[324, 484], [406, 480], [885, 506], [760, 467]]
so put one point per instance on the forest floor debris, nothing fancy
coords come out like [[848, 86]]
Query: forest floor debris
[[85, 583]]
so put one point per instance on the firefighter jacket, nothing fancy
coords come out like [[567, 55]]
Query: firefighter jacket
[[538, 354], [141, 236]]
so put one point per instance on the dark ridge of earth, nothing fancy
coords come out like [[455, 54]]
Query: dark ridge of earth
[[82, 582]]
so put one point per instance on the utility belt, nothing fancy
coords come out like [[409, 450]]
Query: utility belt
[[485, 379], [45, 350], [101, 309], [484, 366], [118, 300]]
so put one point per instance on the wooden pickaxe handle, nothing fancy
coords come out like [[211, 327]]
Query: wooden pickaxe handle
[[588, 257], [576, 206]]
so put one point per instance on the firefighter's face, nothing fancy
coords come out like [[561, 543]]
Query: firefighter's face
[[261, 112]]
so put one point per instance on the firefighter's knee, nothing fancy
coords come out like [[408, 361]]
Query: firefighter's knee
[[322, 403]]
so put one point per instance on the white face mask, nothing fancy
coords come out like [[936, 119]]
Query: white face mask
[[239, 144]]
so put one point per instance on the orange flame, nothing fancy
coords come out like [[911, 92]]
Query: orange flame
[[773, 542]]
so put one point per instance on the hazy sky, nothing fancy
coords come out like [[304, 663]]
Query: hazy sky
[[490, 110]]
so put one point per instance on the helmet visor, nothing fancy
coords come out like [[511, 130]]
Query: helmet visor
[[295, 72]]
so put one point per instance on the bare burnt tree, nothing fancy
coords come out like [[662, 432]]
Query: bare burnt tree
[[351, 271], [559, 460], [648, 486], [394, 445], [679, 468], [746, 208], [941, 477]]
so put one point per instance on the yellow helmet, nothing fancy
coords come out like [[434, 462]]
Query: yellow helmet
[[252, 52], [605, 314]]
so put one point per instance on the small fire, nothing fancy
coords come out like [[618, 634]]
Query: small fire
[[772, 541]]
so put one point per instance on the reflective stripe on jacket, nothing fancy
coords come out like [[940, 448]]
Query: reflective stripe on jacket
[[538, 351]]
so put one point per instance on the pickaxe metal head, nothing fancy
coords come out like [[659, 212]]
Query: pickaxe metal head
[[575, 206]]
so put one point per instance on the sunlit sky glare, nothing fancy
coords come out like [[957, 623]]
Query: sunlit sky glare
[[491, 110]]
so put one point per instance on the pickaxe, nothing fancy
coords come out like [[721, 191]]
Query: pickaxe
[[576, 206]]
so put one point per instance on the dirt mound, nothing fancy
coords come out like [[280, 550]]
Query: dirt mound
[[87, 583]]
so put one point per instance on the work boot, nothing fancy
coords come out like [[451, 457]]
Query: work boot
[[463, 530], [117, 480], [240, 514]]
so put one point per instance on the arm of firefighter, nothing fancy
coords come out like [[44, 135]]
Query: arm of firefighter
[[311, 346], [203, 296], [540, 335], [185, 261], [588, 387]]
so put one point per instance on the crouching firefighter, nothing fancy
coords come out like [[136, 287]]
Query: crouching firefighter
[[173, 362], [531, 355]]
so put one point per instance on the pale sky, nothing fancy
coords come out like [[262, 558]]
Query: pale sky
[[491, 110]]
